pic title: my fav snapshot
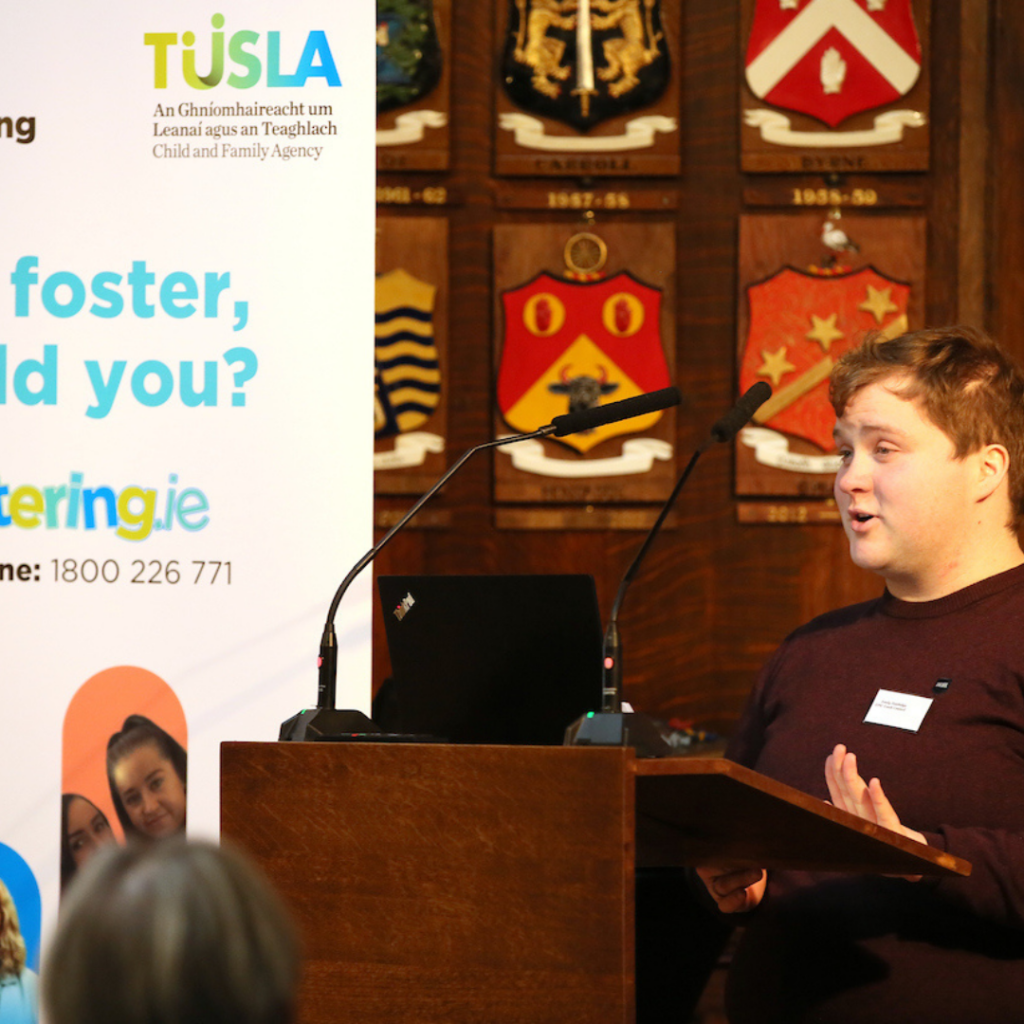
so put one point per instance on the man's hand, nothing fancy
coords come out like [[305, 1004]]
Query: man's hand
[[734, 890], [865, 799]]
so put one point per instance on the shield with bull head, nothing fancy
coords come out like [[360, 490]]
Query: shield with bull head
[[570, 345]]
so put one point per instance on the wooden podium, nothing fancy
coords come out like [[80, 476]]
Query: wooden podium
[[439, 884]]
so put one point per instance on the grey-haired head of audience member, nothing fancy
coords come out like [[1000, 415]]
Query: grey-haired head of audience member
[[175, 933]]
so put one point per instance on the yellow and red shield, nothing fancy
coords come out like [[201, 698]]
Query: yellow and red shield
[[571, 345], [800, 324]]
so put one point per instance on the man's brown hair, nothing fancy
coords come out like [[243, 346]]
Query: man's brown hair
[[966, 384]]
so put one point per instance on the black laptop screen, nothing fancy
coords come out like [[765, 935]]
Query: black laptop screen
[[490, 659]]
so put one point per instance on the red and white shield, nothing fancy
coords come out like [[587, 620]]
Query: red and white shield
[[571, 344], [832, 58], [800, 324]]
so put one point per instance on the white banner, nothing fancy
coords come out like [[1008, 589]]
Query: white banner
[[186, 325]]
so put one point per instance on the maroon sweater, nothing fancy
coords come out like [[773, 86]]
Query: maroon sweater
[[835, 948]]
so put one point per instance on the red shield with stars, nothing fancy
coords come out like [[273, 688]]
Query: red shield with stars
[[576, 345], [832, 58], [800, 324]]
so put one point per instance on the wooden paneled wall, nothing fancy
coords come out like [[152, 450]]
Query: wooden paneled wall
[[715, 597]]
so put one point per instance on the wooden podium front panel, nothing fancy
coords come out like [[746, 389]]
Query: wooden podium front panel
[[444, 883]]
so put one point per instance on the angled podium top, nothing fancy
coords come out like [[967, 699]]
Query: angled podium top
[[703, 810]]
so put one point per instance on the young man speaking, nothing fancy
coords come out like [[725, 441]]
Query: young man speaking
[[922, 689]]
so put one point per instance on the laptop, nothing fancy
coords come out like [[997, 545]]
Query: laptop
[[490, 659]]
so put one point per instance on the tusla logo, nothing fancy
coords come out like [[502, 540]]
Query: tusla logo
[[247, 53]]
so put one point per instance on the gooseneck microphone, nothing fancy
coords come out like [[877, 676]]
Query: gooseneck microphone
[[740, 414], [611, 727], [325, 721], [600, 415]]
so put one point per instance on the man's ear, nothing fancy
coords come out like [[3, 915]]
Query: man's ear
[[993, 467]]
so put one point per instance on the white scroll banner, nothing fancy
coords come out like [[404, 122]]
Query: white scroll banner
[[410, 450], [639, 134], [888, 129], [411, 127], [772, 449], [638, 455]]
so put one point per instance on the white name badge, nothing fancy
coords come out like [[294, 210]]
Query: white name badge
[[899, 710]]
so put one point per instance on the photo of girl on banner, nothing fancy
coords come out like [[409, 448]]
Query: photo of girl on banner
[[84, 829], [125, 765], [18, 983], [146, 769], [19, 940]]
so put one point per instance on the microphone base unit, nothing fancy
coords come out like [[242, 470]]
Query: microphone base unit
[[619, 729], [314, 724]]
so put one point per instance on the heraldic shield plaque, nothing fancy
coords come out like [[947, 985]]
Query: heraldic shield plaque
[[834, 86], [586, 88], [410, 354], [413, 84], [585, 318], [803, 304]]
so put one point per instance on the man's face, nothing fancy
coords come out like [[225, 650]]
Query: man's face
[[906, 502]]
